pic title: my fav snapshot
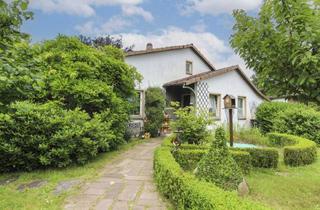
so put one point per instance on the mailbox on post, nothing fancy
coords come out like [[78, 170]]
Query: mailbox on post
[[230, 104]]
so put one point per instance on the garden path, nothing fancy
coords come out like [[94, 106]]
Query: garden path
[[126, 183]]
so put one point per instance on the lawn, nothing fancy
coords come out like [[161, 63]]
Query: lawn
[[287, 187], [43, 197]]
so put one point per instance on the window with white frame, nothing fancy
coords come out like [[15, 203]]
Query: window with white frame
[[215, 104], [242, 107], [189, 67], [136, 104]]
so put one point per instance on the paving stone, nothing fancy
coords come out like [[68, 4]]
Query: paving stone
[[94, 191], [8, 180], [104, 204], [126, 183], [65, 186], [34, 184], [138, 208], [120, 205]]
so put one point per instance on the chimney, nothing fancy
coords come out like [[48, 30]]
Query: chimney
[[149, 46]]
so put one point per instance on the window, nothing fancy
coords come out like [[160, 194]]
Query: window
[[242, 108], [189, 67], [135, 101], [214, 109]]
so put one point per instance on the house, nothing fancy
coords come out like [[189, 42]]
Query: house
[[188, 77]]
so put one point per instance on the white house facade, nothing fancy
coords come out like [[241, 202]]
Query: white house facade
[[189, 78]]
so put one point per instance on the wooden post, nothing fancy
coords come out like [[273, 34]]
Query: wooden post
[[231, 127]]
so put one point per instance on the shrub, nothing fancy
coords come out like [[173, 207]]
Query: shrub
[[187, 192], [300, 151], [189, 158], [262, 157], [299, 121], [154, 107], [40, 136], [243, 160], [192, 126], [267, 112], [217, 166]]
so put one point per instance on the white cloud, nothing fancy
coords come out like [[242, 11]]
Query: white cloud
[[216, 7], [215, 49], [113, 25], [77, 7], [130, 10]]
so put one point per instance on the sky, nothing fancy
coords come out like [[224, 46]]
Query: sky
[[205, 23]]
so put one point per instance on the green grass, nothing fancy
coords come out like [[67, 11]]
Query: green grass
[[43, 197], [287, 187]]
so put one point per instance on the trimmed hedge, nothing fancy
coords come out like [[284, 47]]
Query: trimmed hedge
[[259, 157], [189, 158], [297, 151], [262, 157], [187, 192]]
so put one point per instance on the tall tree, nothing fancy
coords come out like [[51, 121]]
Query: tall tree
[[102, 41], [282, 46]]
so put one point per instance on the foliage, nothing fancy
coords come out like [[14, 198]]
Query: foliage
[[262, 157], [11, 17], [282, 46], [87, 89], [189, 158], [243, 160], [187, 192], [300, 122], [297, 150], [191, 125], [154, 109], [108, 40], [267, 112], [39, 136], [250, 136], [218, 166]]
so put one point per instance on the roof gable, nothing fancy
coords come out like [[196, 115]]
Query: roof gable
[[171, 48], [210, 74]]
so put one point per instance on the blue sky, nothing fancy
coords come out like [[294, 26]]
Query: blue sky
[[205, 23]]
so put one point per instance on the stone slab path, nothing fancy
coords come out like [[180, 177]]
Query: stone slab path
[[126, 183]]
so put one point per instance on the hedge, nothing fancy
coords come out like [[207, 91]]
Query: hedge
[[303, 122], [297, 151], [187, 192], [262, 157], [189, 158]]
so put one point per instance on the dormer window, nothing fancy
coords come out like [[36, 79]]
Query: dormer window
[[189, 67]]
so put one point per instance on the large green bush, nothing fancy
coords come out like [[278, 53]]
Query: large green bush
[[154, 109], [62, 101], [218, 166], [267, 112], [187, 192], [297, 151], [299, 121], [39, 136], [191, 125]]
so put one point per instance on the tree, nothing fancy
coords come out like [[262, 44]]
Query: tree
[[282, 46], [108, 40], [11, 18], [155, 103]]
